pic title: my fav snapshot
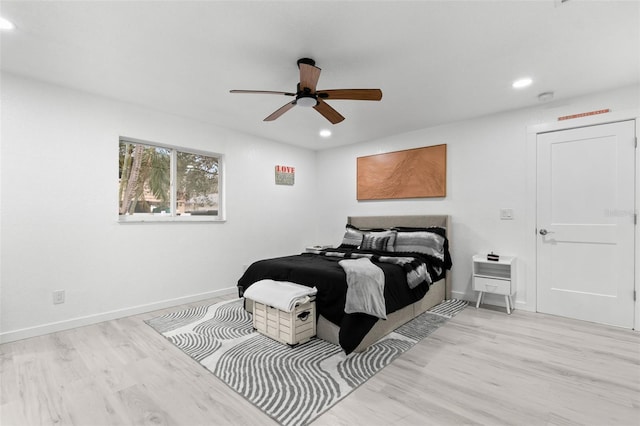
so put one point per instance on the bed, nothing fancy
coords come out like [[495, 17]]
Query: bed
[[408, 292]]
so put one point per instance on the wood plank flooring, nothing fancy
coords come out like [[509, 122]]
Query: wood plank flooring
[[482, 367]]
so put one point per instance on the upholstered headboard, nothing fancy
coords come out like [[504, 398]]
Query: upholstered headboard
[[411, 221]]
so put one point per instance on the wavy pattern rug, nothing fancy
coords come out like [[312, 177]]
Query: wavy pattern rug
[[293, 385]]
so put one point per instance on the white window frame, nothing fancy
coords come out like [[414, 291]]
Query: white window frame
[[173, 217]]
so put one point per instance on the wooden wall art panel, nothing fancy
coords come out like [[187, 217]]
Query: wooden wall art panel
[[412, 173]]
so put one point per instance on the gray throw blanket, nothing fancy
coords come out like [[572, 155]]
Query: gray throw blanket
[[365, 287], [416, 270]]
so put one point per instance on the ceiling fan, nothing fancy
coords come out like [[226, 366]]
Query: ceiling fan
[[307, 95]]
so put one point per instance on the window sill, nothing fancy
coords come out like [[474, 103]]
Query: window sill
[[164, 218]]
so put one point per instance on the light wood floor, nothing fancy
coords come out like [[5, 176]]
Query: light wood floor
[[482, 367]]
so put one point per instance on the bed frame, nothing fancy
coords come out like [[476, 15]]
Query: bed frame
[[439, 291]]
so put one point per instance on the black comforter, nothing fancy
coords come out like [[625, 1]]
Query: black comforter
[[324, 273]]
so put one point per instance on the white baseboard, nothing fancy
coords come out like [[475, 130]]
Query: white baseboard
[[490, 299], [39, 330], [460, 295]]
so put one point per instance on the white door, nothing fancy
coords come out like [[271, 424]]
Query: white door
[[585, 223]]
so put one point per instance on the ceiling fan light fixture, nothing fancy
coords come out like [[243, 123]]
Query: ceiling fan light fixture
[[325, 133], [306, 101]]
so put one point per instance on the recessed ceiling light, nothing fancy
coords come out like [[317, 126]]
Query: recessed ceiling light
[[325, 133], [522, 82], [5, 24]]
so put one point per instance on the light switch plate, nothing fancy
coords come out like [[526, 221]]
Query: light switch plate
[[58, 297]]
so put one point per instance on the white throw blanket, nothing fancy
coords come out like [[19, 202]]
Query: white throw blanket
[[283, 295], [365, 292]]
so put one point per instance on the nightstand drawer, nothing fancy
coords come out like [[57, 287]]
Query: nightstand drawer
[[490, 285]]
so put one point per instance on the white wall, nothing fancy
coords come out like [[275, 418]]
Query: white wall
[[59, 229], [487, 169]]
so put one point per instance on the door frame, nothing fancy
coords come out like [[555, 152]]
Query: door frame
[[530, 279]]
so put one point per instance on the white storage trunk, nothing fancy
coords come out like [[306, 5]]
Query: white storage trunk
[[297, 326]]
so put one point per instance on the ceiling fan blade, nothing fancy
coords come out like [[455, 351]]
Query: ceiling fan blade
[[351, 94], [277, 113], [267, 92], [328, 112], [309, 75]]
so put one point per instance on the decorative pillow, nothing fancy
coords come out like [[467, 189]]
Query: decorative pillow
[[421, 241], [383, 241], [440, 230], [352, 237]]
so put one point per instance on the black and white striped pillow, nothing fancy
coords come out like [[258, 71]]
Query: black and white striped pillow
[[428, 241], [382, 241], [352, 237]]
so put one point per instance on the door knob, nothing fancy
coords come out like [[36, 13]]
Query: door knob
[[544, 232]]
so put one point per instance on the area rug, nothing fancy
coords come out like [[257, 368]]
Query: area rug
[[293, 385]]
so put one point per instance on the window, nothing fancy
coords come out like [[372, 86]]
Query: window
[[161, 183]]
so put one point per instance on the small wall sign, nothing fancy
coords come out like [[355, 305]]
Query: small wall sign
[[285, 175], [584, 114]]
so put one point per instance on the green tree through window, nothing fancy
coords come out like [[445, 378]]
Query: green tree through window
[[157, 180]]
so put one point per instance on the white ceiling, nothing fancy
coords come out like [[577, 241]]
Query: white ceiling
[[435, 61]]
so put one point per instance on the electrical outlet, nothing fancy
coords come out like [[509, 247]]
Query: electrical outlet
[[58, 297]]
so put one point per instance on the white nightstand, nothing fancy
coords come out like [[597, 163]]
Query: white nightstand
[[497, 277]]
